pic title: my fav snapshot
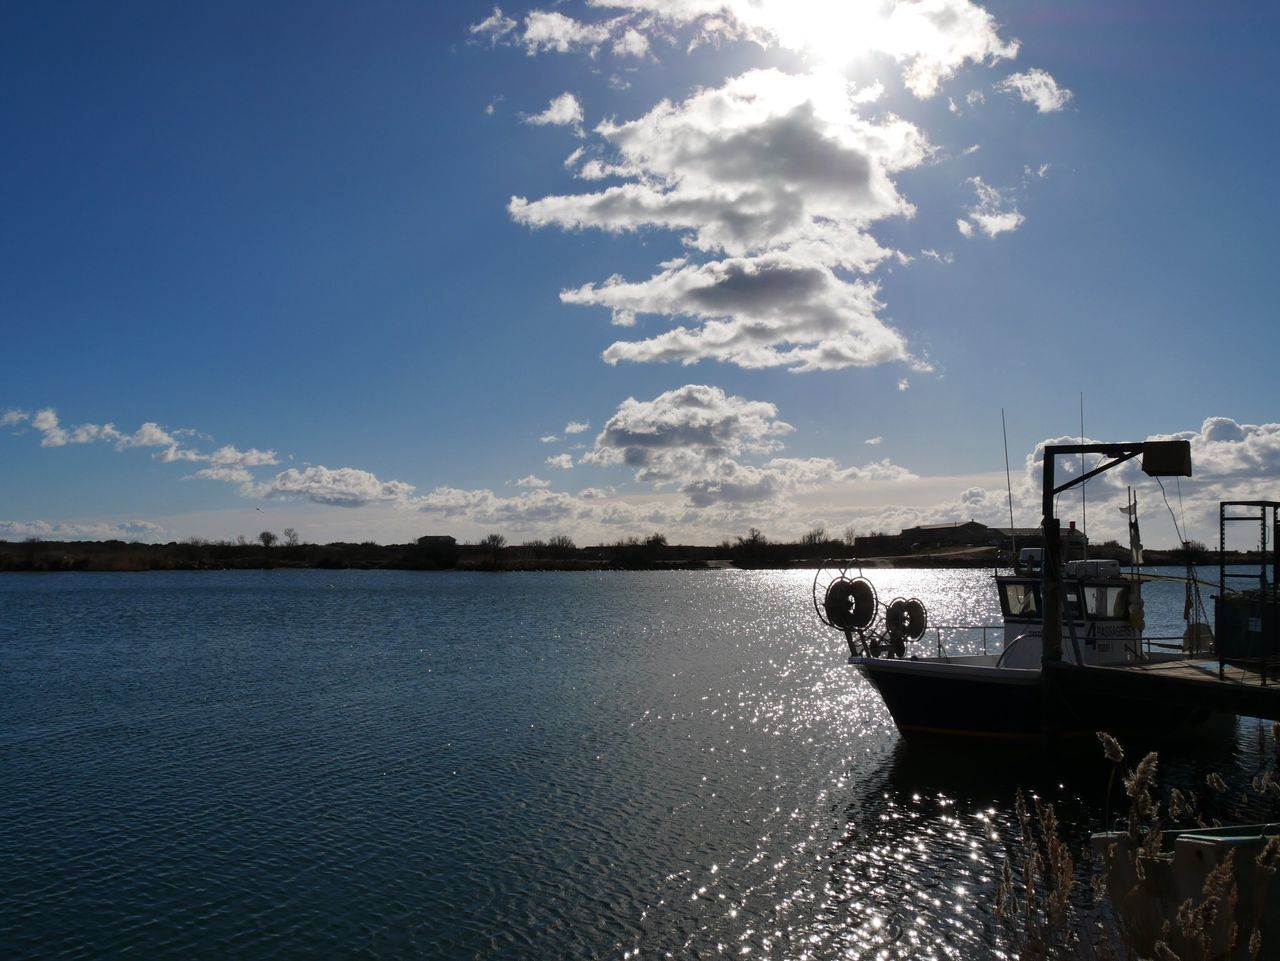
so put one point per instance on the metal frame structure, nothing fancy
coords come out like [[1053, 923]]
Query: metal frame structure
[[1159, 458]]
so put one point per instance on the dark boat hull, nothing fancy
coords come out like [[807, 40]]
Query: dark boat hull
[[930, 699]]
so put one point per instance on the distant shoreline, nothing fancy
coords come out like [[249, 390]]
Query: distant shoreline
[[37, 556]]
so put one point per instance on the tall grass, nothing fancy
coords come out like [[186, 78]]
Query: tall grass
[[1047, 913]]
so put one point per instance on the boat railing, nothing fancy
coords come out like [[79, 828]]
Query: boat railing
[[954, 639], [957, 639]]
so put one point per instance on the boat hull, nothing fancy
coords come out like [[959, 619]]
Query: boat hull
[[931, 698]]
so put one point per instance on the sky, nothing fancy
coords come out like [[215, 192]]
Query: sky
[[606, 268]]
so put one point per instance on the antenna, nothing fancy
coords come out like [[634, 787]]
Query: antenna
[[1008, 483], [1084, 509]]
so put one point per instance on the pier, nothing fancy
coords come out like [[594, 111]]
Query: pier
[[1249, 689]]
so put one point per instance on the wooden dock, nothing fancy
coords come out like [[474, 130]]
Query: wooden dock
[[1252, 690]]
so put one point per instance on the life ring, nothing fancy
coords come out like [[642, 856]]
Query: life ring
[[850, 605]]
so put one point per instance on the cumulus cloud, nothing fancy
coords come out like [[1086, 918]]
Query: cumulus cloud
[[656, 437], [764, 159], [930, 41], [553, 31], [773, 310], [549, 438], [1036, 86], [340, 487], [779, 177], [560, 461], [631, 43], [532, 481], [697, 439], [231, 474], [521, 512], [54, 434], [577, 427], [874, 440], [773, 180], [564, 110]]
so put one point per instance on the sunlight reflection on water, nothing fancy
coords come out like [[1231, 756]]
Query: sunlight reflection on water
[[601, 765]]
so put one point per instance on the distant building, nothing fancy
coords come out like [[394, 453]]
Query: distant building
[[1074, 540], [968, 534], [437, 540], [972, 534]]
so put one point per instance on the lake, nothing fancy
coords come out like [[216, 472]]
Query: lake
[[290, 764]]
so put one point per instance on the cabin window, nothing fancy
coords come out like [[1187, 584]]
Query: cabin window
[[1107, 601], [1071, 605], [1020, 600]]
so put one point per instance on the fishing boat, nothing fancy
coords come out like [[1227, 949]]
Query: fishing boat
[[1034, 686]]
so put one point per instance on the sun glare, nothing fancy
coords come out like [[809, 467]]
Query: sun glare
[[832, 34]]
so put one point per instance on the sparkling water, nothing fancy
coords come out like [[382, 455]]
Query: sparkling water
[[297, 764]]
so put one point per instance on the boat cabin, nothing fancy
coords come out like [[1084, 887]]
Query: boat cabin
[[1096, 599]]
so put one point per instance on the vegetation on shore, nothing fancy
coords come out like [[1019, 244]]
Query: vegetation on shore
[[494, 553], [1131, 907]]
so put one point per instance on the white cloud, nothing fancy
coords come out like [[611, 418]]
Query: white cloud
[[644, 435], [564, 110], [549, 438], [532, 481], [904, 384], [874, 440], [552, 31], [576, 427], [930, 40], [1037, 87], [631, 43], [561, 461], [766, 159], [228, 456], [768, 311], [696, 437], [994, 213], [140, 531], [495, 26], [779, 176], [12, 418], [231, 474], [340, 487]]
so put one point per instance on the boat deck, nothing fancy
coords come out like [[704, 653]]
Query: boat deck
[[1252, 689]]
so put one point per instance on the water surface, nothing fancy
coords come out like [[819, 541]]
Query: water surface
[[283, 764]]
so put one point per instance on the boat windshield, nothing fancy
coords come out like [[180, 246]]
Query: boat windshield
[[1020, 600], [1106, 600]]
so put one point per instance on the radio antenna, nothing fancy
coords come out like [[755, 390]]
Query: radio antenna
[[1008, 482]]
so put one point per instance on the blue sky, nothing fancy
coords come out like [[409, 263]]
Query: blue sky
[[609, 268]]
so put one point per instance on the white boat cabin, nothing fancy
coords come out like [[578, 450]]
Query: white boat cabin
[[1104, 607]]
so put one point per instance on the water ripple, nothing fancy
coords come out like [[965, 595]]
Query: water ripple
[[295, 764]]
